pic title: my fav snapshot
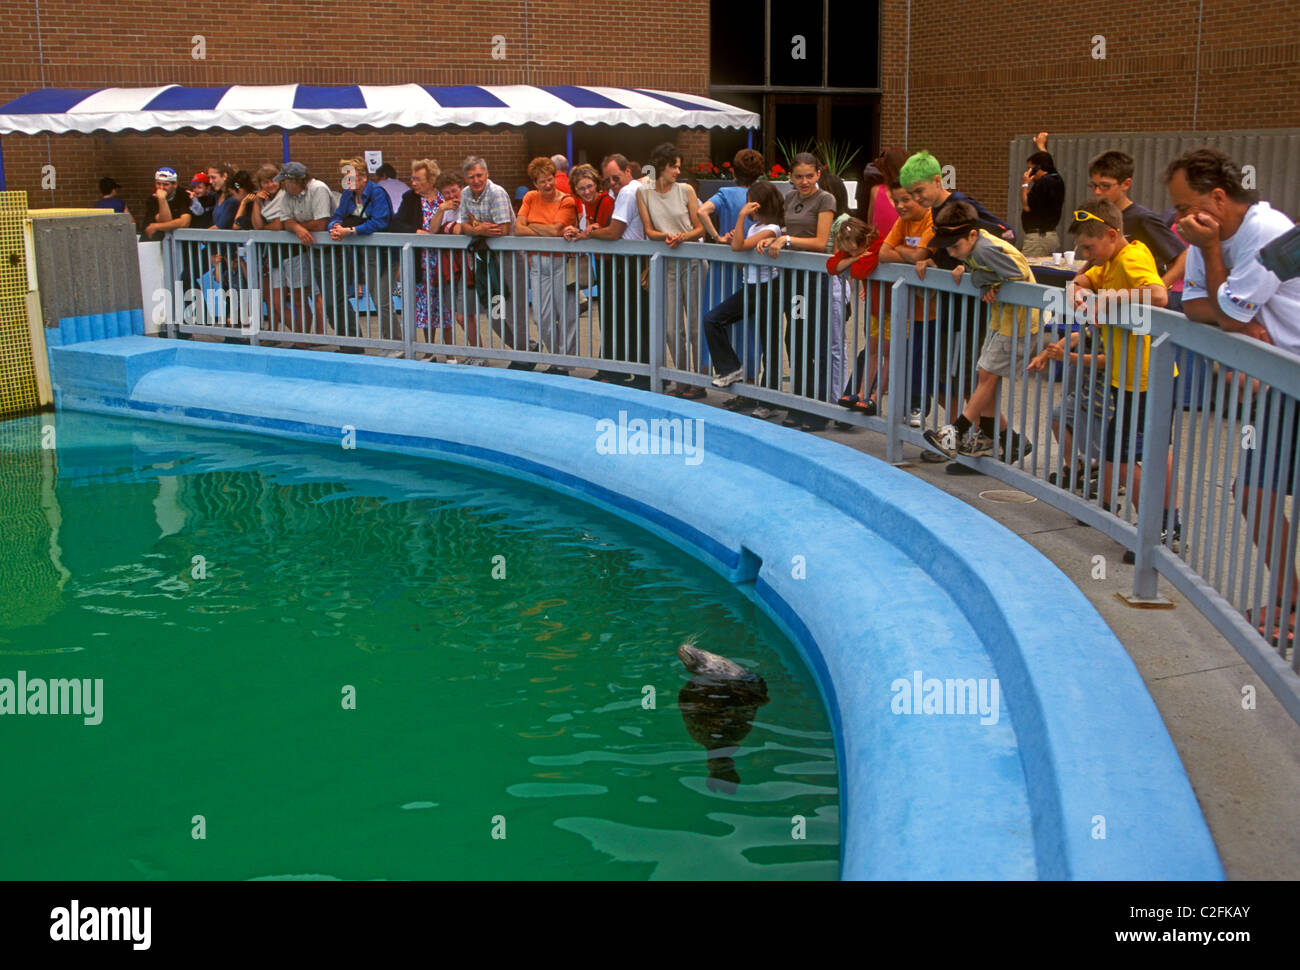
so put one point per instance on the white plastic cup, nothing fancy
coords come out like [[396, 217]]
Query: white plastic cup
[[1056, 259], [1069, 256]]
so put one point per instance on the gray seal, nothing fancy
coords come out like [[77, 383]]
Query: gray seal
[[718, 705]]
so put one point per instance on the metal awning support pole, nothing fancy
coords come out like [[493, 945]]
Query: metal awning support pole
[[284, 140], [2, 169], [568, 144], [749, 138]]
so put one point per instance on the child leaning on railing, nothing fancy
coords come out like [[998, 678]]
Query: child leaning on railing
[[857, 253]]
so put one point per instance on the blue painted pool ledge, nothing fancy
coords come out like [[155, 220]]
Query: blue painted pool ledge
[[885, 584]]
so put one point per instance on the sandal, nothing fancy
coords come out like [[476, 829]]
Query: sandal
[[1258, 617], [692, 393], [867, 407], [848, 401], [738, 404]]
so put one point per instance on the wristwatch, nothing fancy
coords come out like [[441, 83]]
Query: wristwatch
[[1024, 185]]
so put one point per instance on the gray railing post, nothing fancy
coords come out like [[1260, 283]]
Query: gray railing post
[[900, 359], [408, 302], [1155, 450], [253, 279], [657, 273], [172, 283]]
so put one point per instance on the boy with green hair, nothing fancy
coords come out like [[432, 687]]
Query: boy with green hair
[[991, 262], [922, 176]]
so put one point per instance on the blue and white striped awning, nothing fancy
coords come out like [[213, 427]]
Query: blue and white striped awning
[[173, 107]]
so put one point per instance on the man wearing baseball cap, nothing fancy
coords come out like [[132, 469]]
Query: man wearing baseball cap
[[166, 208], [302, 206]]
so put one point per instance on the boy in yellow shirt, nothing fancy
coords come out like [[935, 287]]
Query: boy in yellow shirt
[[1122, 271]]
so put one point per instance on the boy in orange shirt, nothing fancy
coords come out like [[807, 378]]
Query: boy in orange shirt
[[908, 241]]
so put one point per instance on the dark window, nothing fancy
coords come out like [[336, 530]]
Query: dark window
[[796, 44], [853, 124], [795, 123], [854, 44], [727, 141], [736, 42]]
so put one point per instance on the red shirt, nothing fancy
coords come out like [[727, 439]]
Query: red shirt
[[599, 212], [861, 268]]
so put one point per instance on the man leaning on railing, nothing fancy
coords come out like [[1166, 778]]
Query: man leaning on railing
[[302, 206], [1226, 285]]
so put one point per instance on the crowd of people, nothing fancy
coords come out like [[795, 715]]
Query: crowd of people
[[1200, 258]]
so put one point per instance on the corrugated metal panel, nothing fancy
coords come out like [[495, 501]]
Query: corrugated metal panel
[[1275, 155], [85, 265], [18, 390]]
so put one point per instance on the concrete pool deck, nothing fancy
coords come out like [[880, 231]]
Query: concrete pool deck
[[1244, 765], [935, 798]]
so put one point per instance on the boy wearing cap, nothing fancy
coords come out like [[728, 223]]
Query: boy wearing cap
[[202, 201], [991, 262], [921, 175], [166, 208]]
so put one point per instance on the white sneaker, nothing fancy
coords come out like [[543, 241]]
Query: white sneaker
[[943, 440], [726, 380], [450, 360], [914, 419]]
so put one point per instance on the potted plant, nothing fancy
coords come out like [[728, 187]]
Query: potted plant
[[710, 177]]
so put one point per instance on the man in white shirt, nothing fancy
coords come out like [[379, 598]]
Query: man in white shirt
[[1226, 226], [1225, 284], [624, 303]]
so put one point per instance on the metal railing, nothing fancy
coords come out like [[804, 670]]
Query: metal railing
[[1081, 433]]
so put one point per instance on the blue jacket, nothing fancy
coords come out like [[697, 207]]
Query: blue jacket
[[377, 210]]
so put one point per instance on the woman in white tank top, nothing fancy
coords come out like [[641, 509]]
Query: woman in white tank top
[[670, 212]]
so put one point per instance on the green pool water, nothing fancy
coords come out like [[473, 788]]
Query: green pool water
[[503, 645]]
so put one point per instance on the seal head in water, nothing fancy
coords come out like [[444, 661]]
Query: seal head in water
[[718, 706]]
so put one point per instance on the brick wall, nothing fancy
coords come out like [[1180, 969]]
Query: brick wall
[[126, 43], [982, 73]]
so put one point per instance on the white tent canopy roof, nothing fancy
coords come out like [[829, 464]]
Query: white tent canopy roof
[[173, 107]]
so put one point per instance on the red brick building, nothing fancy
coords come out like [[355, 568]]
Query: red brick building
[[958, 79], [977, 74], [126, 43]]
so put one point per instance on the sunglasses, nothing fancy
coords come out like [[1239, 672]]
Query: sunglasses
[[1081, 216]]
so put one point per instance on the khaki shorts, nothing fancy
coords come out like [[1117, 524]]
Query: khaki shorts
[[995, 357], [1044, 244], [875, 327]]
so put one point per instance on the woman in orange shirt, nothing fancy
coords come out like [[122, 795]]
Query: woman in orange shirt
[[546, 211]]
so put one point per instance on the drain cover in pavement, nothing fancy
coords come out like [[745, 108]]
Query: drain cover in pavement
[[1007, 495]]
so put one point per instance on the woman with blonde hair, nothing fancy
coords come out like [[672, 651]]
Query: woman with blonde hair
[[546, 211]]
